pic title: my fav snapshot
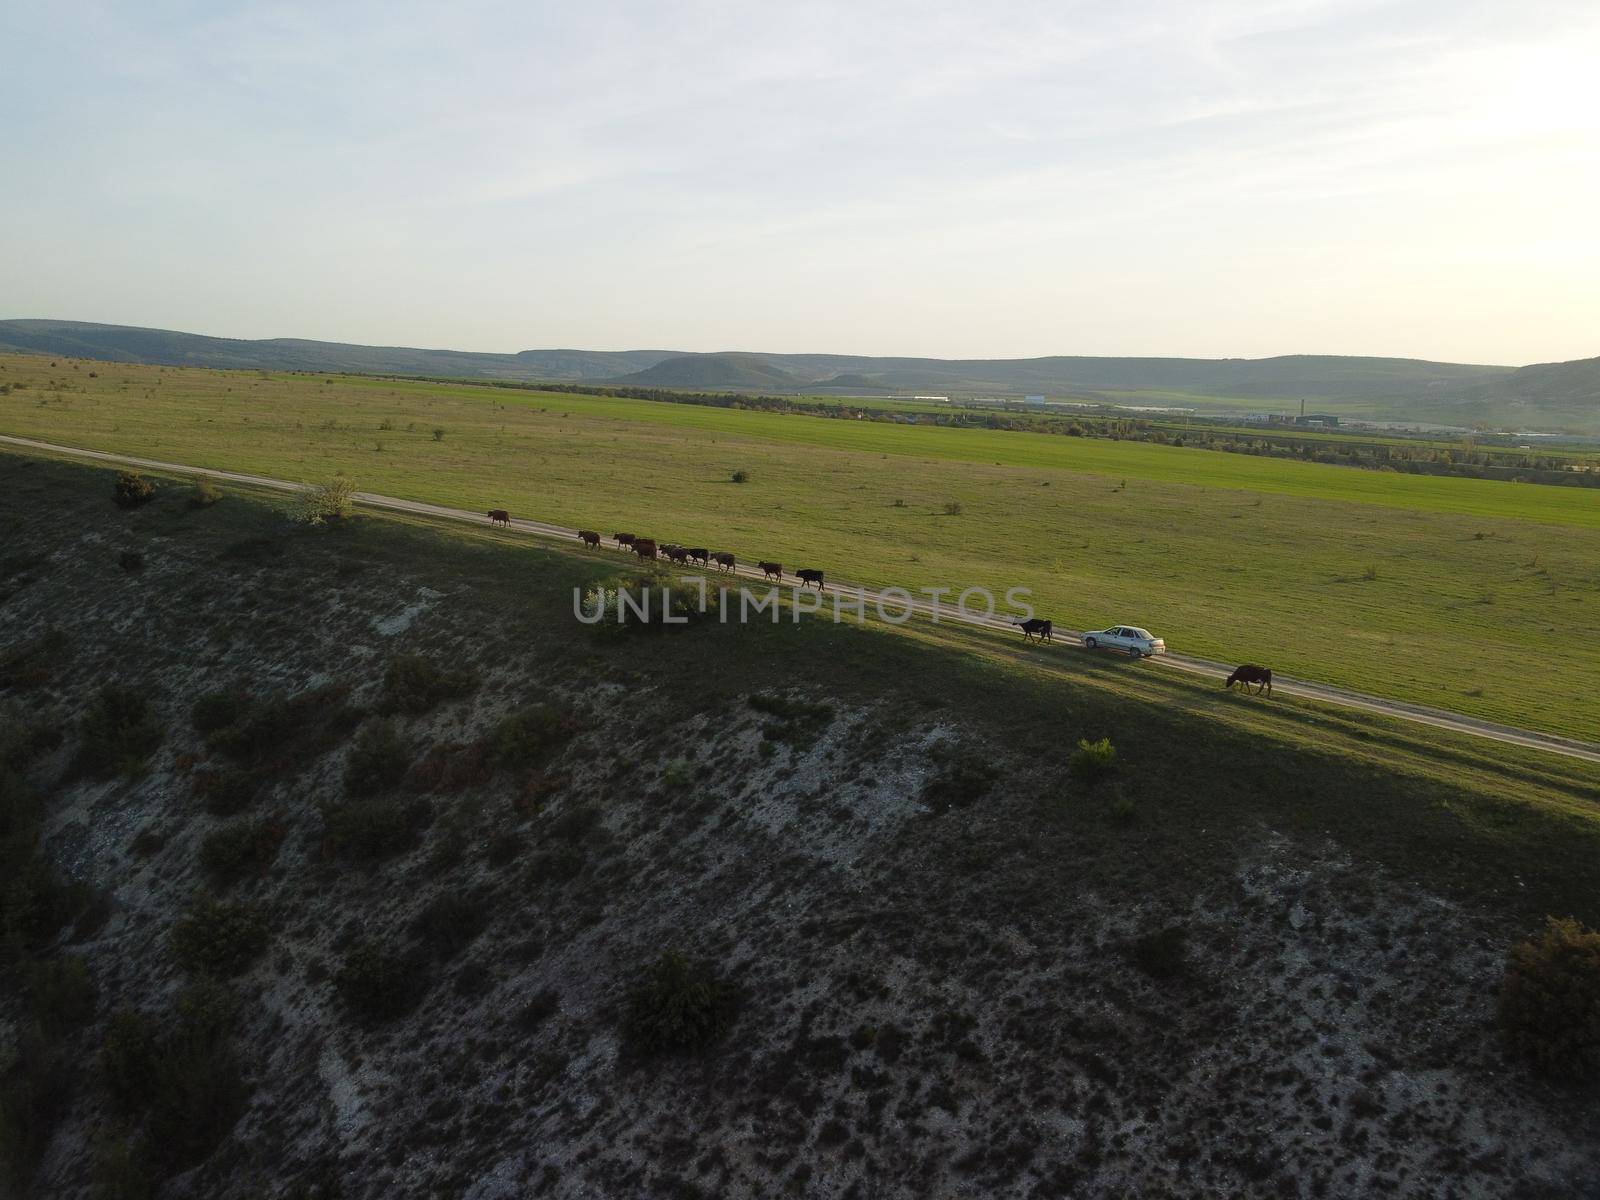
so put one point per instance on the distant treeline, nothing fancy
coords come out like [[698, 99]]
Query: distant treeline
[[1469, 461]]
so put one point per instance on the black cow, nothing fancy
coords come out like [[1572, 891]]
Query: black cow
[[808, 575], [1035, 625]]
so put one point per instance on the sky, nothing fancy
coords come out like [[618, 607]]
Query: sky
[[1236, 178]]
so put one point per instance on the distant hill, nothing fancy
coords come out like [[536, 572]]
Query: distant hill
[[1546, 395], [126, 343], [720, 372]]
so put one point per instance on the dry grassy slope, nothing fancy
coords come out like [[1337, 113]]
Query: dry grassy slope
[[934, 1005]]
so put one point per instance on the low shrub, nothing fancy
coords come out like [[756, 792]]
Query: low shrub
[[449, 923], [415, 684], [226, 792], [377, 984], [121, 1169], [378, 760], [795, 722], [62, 993], [25, 734], [453, 766], [373, 828], [952, 509], [130, 561], [241, 848], [1549, 1005], [1092, 761], [1162, 954], [180, 1078], [280, 728], [30, 664], [35, 1093], [132, 490], [119, 732], [675, 1006], [34, 902], [219, 938], [740, 477], [962, 777], [529, 735], [217, 710], [205, 492]]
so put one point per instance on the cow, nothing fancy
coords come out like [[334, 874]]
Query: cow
[[644, 547], [1035, 625], [1248, 674], [589, 537], [809, 575], [724, 560], [772, 570], [700, 555], [623, 539], [499, 516], [677, 554]]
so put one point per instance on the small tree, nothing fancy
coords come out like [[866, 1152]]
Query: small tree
[[677, 1005], [741, 476], [1549, 1010], [331, 501], [1092, 760], [205, 492]]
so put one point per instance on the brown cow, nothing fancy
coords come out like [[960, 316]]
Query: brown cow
[[499, 516], [772, 570], [1248, 674], [644, 547], [1035, 625], [809, 575], [589, 537], [677, 554], [724, 560], [623, 539]]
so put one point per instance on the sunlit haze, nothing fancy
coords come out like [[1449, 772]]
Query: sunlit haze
[[1219, 179]]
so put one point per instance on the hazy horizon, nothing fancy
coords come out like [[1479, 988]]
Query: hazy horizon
[[1222, 180]]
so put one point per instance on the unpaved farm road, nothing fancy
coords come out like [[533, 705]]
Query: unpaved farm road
[[895, 604]]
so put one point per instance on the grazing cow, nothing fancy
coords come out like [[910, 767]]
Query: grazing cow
[[1035, 625], [1248, 674], [724, 560], [677, 554], [772, 570], [701, 555], [589, 537], [808, 575], [623, 539], [499, 516], [644, 547]]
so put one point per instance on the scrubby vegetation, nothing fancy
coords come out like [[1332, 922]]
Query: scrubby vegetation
[[132, 490], [1093, 761], [379, 759], [327, 502], [376, 983], [1549, 1008], [118, 732], [241, 849], [677, 1005], [415, 684], [220, 938]]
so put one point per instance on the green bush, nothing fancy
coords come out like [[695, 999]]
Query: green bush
[[217, 710], [449, 923], [1092, 760], [370, 829], [280, 728], [205, 492], [119, 732], [121, 1169], [132, 490], [331, 501], [676, 1005], [30, 664], [1549, 1009], [180, 1077], [241, 848], [226, 792], [415, 684], [34, 902], [63, 994], [741, 477], [219, 938], [378, 760], [961, 778], [1162, 954], [377, 984], [35, 1092], [529, 735]]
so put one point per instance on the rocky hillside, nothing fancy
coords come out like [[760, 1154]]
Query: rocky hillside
[[361, 870]]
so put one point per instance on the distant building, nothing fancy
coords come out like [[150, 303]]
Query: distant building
[[1318, 420], [1033, 399], [946, 399]]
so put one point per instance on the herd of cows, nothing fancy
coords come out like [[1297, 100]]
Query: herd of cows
[[646, 548]]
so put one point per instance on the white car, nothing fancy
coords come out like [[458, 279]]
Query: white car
[[1137, 642]]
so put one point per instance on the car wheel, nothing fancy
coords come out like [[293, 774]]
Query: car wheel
[[1088, 643], [1136, 652]]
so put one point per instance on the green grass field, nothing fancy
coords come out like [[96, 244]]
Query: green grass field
[[1479, 596]]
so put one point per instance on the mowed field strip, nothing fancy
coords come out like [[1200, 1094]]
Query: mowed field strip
[[1475, 597], [850, 600]]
